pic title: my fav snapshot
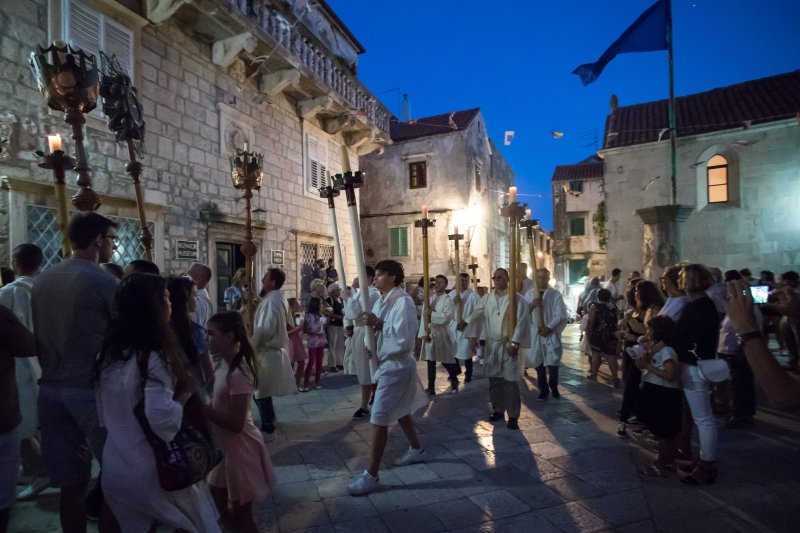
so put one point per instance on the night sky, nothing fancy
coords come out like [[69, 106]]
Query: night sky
[[513, 59]]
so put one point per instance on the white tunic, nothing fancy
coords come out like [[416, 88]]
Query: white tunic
[[270, 340], [548, 349], [356, 357], [497, 362], [399, 392], [441, 348], [472, 315]]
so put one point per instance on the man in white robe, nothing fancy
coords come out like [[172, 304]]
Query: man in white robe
[[399, 391], [546, 348], [356, 357], [437, 342], [270, 340], [468, 327], [502, 362]]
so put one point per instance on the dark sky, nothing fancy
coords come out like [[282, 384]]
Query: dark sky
[[513, 58]]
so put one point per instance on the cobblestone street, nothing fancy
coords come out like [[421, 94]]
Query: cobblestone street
[[566, 470]]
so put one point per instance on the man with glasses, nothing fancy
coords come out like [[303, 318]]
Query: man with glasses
[[71, 305]]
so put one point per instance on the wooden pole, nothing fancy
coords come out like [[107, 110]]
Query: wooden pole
[[134, 169], [455, 237]]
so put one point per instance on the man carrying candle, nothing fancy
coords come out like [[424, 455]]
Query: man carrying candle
[[356, 357], [437, 344], [501, 352], [399, 391], [469, 326]]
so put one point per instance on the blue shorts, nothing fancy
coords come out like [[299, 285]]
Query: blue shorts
[[71, 433]]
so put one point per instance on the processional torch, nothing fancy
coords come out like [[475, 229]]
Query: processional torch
[[424, 223], [126, 121], [329, 193], [530, 225], [348, 182], [514, 212], [456, 237]]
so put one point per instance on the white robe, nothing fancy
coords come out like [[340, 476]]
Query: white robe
[[356, 357], [547, 350], [270, 340], [441, 348], [399, 392], [16, 296], [472, 315], [497, 362]]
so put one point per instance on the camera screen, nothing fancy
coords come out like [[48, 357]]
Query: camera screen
[[760, 293]]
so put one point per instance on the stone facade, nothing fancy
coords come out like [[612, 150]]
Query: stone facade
[[466, 177], [757, 228], [203, 94]]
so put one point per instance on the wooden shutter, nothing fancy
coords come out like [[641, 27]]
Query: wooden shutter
[[118, 40], [398, 242], [317, 163], [84, 27]]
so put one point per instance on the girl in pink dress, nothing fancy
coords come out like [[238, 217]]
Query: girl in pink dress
[[297, 352], [314, 328], [245, 474]]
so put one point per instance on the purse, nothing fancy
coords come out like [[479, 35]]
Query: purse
[[714, 370], [190, 455]]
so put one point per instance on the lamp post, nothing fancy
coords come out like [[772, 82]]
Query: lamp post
[[246, 175], [69, 80]]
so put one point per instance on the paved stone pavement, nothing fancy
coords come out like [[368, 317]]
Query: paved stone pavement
[[566, 470]]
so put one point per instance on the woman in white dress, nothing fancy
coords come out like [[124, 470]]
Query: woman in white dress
[[139, 336]]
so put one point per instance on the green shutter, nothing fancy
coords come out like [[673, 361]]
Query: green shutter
[[576, 227], [398, 242]]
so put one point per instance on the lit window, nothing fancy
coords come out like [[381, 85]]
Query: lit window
[[717, 173], [398, 241], [577, 227], [417, 175]]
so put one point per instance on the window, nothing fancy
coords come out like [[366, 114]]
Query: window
[[398, 241], [477, 177], [417, 175], [317, 163], [576, 186], [578, 268], [577, 227], [717, 174]]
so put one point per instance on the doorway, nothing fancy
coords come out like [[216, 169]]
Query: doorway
[[229, 259]]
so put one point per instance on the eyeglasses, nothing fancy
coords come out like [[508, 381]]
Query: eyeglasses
[[112, 238]]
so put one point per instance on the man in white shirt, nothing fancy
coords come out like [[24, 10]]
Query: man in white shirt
[[468, 327], [546, 348], [399, 392], [357, 360], [201, 275], [613, 285], [437, 344]]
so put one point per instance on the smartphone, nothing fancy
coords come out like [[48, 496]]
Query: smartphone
[[760, 293]]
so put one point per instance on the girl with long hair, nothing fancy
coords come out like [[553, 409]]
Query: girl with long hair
[[191, 336], [314, 328], [246, 474], [141, 361], [297, 352]]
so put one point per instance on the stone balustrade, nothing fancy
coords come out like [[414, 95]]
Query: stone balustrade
[[317, 61]]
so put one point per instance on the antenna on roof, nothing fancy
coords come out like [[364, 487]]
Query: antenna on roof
[[406, 107]]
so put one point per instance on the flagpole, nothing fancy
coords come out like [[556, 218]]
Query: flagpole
[[672, 122]]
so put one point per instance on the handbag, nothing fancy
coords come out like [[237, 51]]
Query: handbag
[[715, 370], [190, 455]]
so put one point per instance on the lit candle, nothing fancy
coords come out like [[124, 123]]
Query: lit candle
[[527, 214], [512, 194], [455, 230], [424, 211], [54, 141], [246, 147]]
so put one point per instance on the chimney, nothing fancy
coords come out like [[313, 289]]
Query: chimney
[[614, 104], [406, 107]]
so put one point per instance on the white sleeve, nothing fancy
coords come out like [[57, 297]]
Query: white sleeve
[[163, 413]]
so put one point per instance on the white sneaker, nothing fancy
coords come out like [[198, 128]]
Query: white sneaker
[[269, 437], [363, 484], [31, 491], [410, 457]]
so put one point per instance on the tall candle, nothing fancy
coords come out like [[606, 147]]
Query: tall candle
[[512, 193], [246, 147], [54, 142], [527, 214], [455, 230], [424, 211]]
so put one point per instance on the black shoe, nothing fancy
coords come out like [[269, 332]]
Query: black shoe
[[494, 417], [542, 397], [340, 367], [333, 369], [361, 414], [467, 377], [430, 392], [512, 423], [556, 394]]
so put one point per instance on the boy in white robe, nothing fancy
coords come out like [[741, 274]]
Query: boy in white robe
[[468, 327], [546, 348], [502, 364], [399, 392], [437, 343], [356, 358]]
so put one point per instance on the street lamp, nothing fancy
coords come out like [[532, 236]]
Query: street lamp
[[246, 175], [70, 82]]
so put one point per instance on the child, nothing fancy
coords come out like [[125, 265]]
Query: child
[[245, 474], [297, 352], [314, 328], [660, 398]]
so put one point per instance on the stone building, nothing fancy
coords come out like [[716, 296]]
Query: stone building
[[211, 76], [448, 163], [738, 179], [578, 221]]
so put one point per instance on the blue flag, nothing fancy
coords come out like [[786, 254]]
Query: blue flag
[[647, 34]]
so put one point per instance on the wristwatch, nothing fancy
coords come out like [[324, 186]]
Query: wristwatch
[[744, 337]]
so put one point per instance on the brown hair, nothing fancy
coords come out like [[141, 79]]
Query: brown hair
[[696, 277]]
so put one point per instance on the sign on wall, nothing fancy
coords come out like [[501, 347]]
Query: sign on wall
[[277, 257], [187, 250]]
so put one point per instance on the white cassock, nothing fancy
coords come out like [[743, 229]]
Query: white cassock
[[356, 358], [497, 363], [270, 340], [472, 314], [441, 348], [16, 296], [548, 349], [399, 392]]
